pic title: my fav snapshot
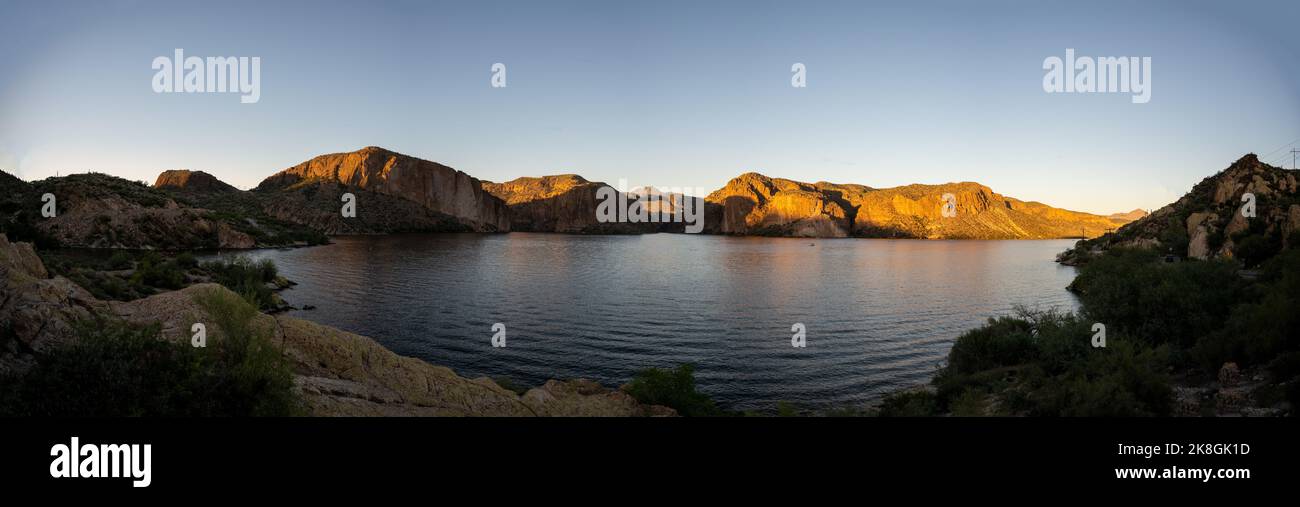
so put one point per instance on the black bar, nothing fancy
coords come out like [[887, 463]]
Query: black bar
[[406, 454]]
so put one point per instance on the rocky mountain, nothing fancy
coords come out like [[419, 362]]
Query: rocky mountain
[[1211, 220], [1128, 217], [756, 204], [193, 181], [100, 211], [442, 193], [336, 373], [565, 203], [399, 193], [314, 206]]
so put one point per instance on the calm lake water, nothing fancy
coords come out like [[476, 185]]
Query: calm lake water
[[879, 314]]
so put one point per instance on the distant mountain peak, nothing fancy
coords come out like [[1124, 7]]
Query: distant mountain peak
[[1129, 216], [194, 181]]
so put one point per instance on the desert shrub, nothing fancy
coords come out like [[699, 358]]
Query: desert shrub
[[119, 260], [1215, 240], [19, 224], [246, 278], [1003, 341], [186, 260], [913, 403], [673, 388], [1286, 366], [1124, 379], [971, 403], [1255, 248], [266, 268], [258, 381], [847, 411], [152, 271], [1043, 363], [1262, 327], [1174, 235], [116, 369], [1133, 292], [1157, 315]]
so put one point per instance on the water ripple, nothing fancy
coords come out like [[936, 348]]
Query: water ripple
[[879, 314]]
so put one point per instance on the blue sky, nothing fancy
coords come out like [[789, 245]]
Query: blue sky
[[685, 94]]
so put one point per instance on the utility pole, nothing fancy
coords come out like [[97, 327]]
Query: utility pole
[[1293, 154]]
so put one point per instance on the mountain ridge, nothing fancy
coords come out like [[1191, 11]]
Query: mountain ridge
[[401, 193], [753, 203]]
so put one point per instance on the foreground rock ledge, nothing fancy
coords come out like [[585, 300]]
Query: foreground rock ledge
[[338, 373]]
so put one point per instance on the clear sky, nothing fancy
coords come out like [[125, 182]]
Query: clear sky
[[685, 94]]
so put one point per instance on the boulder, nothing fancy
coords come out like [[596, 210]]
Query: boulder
[[38, 313]]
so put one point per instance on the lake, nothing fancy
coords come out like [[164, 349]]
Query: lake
[[879, 314]]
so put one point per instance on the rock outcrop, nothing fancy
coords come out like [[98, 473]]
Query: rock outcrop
[[101, 211], [37, 313], [756, 204], [1211, 220], [435, 187], [196, 181]]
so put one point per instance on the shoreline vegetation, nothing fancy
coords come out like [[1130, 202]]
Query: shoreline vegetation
[[1181, 339], [1199, 302], [1198, 310]]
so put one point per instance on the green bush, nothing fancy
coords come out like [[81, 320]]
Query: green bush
[[971, 403], [1256, 248], [1123, 379], [1158, 316], [1262, 327], [1004, 341], [267, 270], [186, 260], [1174, 236], [1043, 363], [152, 271], [259, 382], [119, 260], [1134, 292], [116, 369], [246, 278], [913, 403], [673, 388]]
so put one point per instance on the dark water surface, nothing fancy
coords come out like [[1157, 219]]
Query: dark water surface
[[880, 314]]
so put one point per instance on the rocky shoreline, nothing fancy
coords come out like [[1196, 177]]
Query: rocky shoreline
[[336, 373]]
